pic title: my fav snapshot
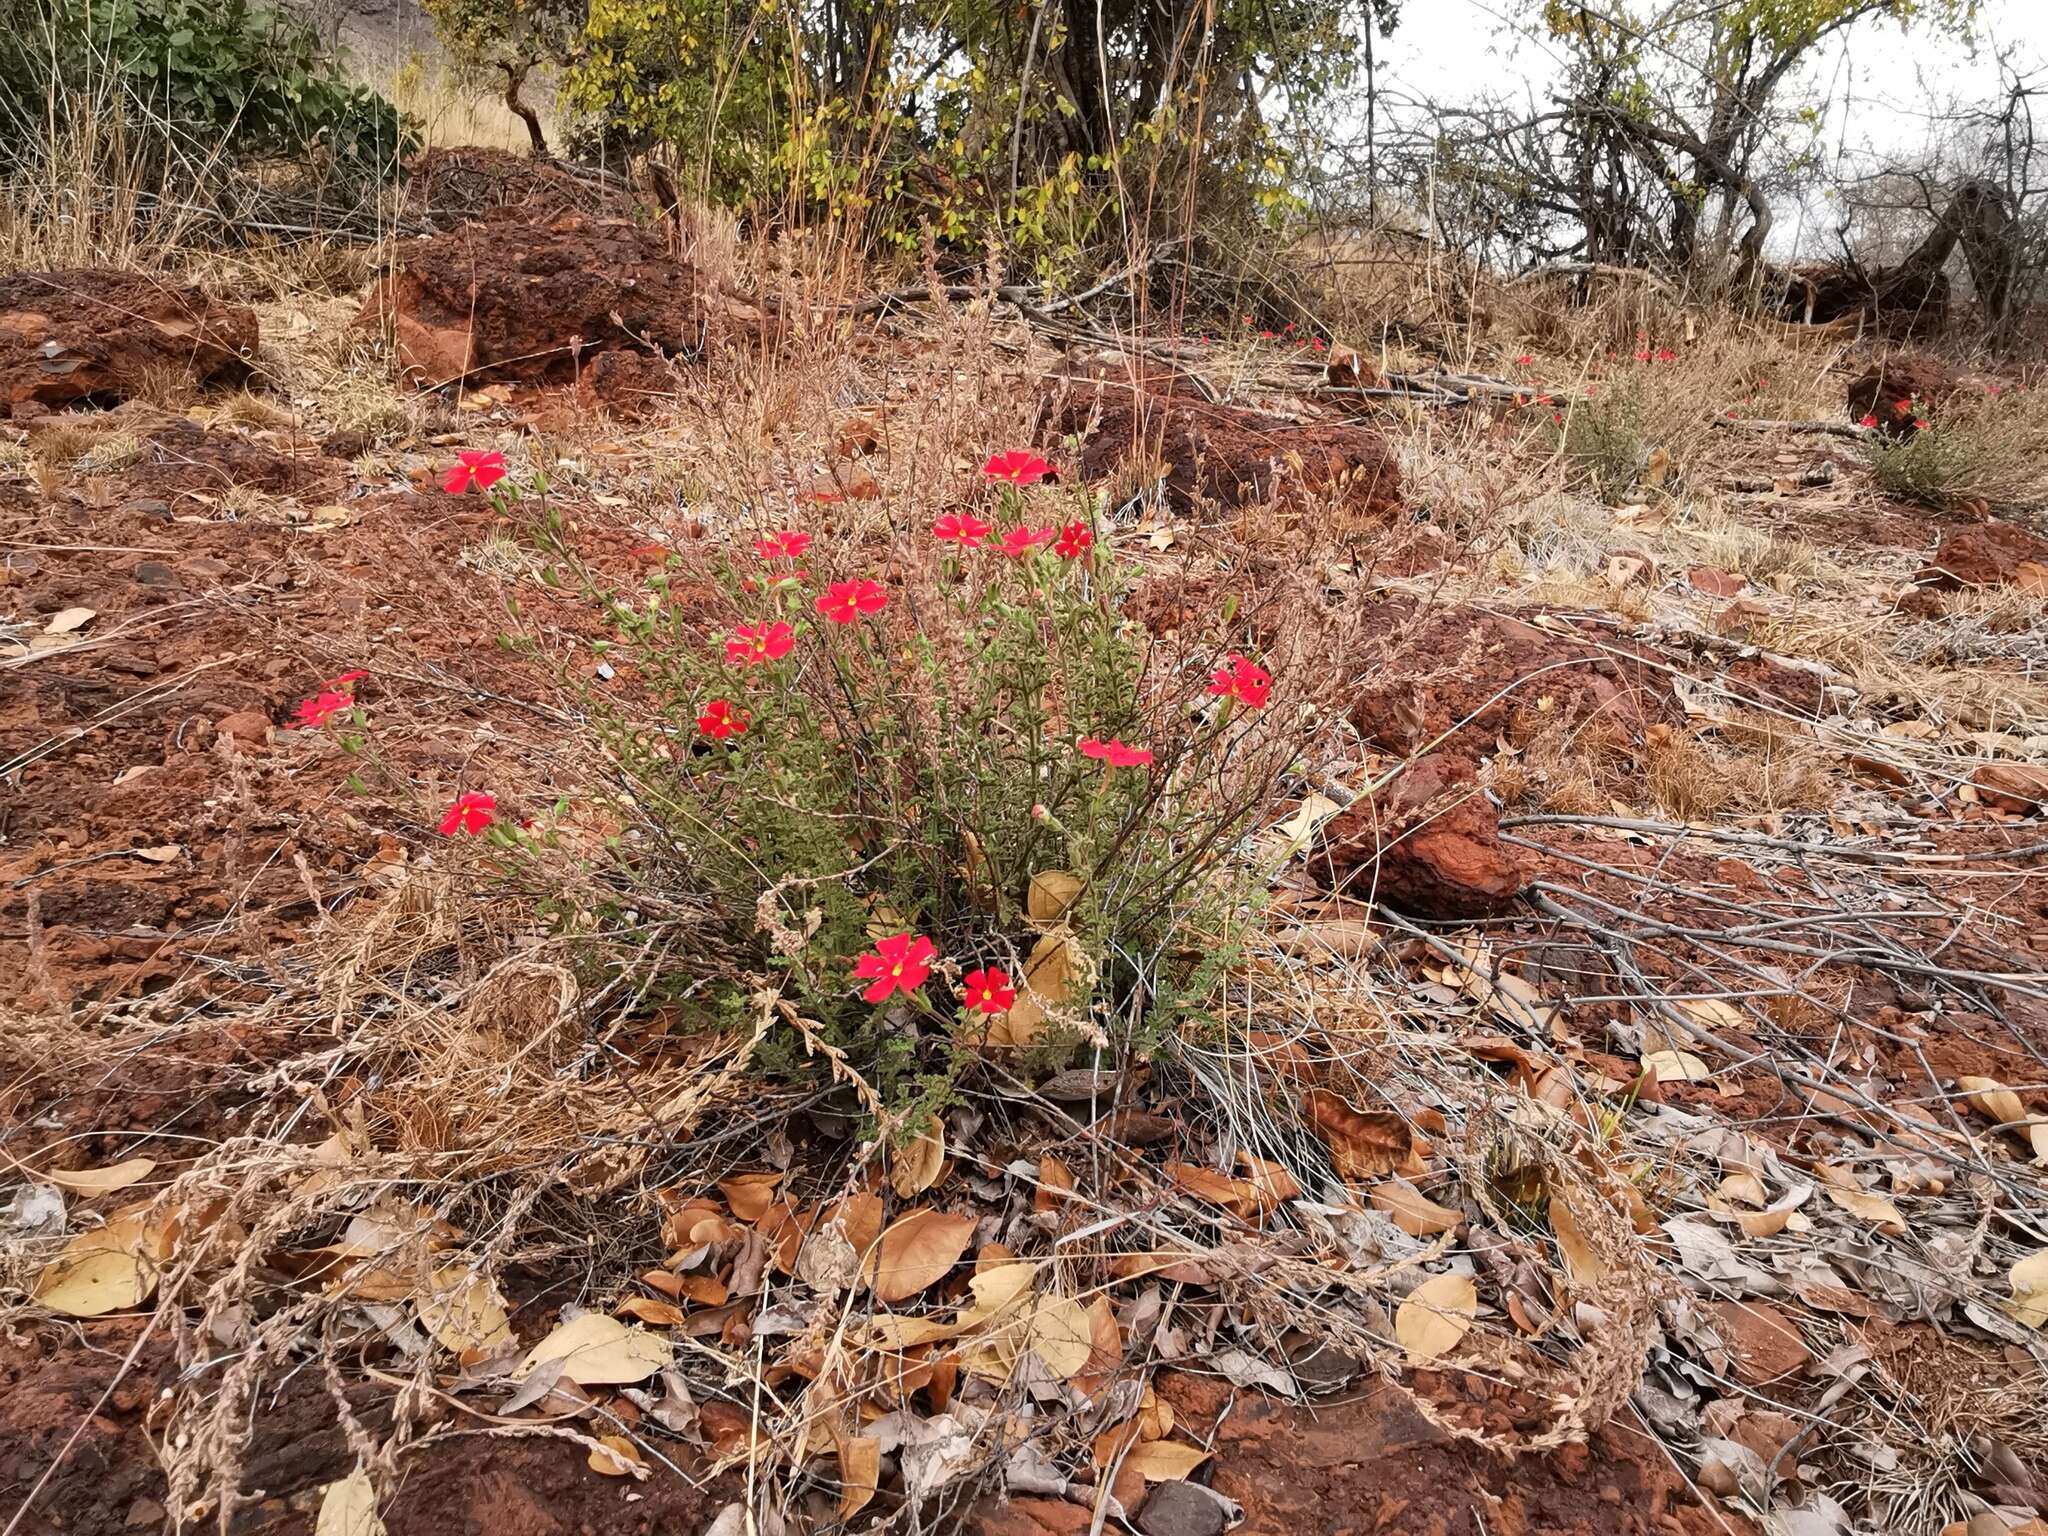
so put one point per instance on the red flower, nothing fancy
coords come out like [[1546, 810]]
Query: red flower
[[346, 682], [474, 469], [1114, 752], [899, 964], [1019, 542], [845, 601], [471, 813], [1666, 355], [317, 711], [1524, 360], [1016, 467], [719, 720], [754, 643], [823, 498], [1074, 538], [962, 528], [782, 546], [989, 991], [1243, 680], [1921, 423], [1316, 343], [1993, 391], [1905, 406], [1289, 327], [1643, 356], [1265, 335], [1868, 421]]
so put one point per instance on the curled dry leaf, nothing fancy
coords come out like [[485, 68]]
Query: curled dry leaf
[[1052, 892], [596, 1350], [1048, 979], [466, 1314], [652, 1309], [750, 1194], [1412, 1211], [1364, 1144], [67, 620], [100, 1181], [1585, 1266], [349, 1508], [1059, 1333], [1055, 1181], [860, 1471], [916, 1251], [915, 1167], [1676, 1067], [2029, 1280], [1164, 1461], [616, 1456], [1435, 1315], [1238, 1196], [1841, 1186]]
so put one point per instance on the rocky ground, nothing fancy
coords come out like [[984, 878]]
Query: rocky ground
[[1636, 1130]]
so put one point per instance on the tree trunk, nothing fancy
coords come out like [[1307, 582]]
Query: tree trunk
[[515, 77]]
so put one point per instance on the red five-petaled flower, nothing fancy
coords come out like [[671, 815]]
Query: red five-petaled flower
[[1243, 680], [899, 964], [721, 720], [751, 644], [471, 812], [1074, 538], [1017, 467], [321, 708], [1868, 421], [1666, 355], [346, 682], [1114, 752], [989, 991], [1524, 360], [845, 601], [785, 546], [962, 528], [474, 469], [1019, 542]]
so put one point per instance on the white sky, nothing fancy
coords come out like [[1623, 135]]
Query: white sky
[[1882, 85]]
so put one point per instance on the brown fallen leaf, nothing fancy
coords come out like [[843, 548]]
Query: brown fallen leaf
[[1364, 1144], [1435, 1315], [1412, 1211], [1052, 891], [914, 1168], [1164, 1461], [860, 1471], [1580, 1262], [100, 1181], [750, 1194], [616, 1456], [1841, 1186], [915, 1252]]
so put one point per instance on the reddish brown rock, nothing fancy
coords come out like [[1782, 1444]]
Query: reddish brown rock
[[1900, 391], [2021, 788], [1226, 455], [1428, 845], [505, 297], [106, 337], [1764, 1344], [629, 385], [1991, 554]]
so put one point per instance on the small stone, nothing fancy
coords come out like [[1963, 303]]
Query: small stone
[[146, 1512], [246, 725], [1435, 838], [1764, 1344], [146, 506], [1183, 1509], [154, 573], [205, 565]]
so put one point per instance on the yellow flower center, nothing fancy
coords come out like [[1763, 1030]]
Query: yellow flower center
[[897, 972]]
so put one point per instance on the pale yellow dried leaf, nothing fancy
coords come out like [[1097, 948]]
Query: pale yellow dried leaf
[[349, 1508], [1412, 1211], [1992, 1099], [596, 1350], [465, 1313], [914, 1167], [109, 1269], [1052, 891], [616, 1456], [1677, 1067], [1060, 1334], [101, 1181], [1840, 1186], [1164, 1461], [2029, 1280], [1435, 1315], [1580, 1261]]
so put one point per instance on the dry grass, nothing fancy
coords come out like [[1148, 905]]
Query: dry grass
[[1991, 450]]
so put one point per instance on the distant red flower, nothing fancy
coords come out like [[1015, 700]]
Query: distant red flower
[[1019, 542], [989, 991], [1666, 355], [474, 469], [1265, 335], [1558, 417], [346, 682], [1868, 421], [472, 812], [1993, 390], [962, 528], [1524, 360], [1114, 752], [1921, 423], [1242, 679], [899, 963], [823, 498], [1016, 467], [1316, 343], [322, 707], [752, 644], [653, 554], [721, 720], [782, 546], [1521, 400], [845, 601], [1905, 407], [1643, 355], [1074, 538]]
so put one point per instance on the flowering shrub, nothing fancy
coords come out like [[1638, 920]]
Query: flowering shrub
[[932, 792]]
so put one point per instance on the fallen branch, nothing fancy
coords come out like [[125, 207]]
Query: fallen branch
[[1829, 428]]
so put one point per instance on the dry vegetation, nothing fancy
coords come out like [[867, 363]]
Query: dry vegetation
[[1762, 1032]]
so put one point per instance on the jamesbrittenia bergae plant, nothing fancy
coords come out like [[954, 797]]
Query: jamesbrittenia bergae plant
[[882, 772]]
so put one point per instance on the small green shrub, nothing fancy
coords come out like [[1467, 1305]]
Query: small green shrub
[[975, 754]]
